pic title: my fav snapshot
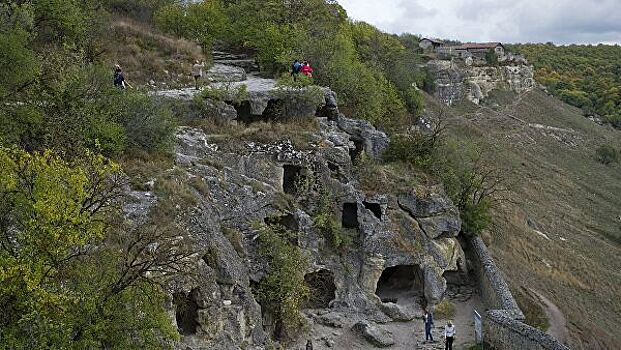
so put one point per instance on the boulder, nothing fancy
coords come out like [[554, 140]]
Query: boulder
[[397, 312], [224, 73], [375, 141], [433, 210], [374, 334], [219, 109]]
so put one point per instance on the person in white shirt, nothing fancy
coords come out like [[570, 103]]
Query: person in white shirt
[[449, 335], [197, 72]]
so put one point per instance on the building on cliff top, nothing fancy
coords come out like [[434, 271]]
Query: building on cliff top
[[476, 50]]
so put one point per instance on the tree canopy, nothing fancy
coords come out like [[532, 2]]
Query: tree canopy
[[585, 76]]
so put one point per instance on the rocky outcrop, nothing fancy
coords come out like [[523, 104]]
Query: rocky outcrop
[[454, 81], [413, 232], [225, 73], [433, 210], [374, 334]]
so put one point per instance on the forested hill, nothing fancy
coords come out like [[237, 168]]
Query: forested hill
[[588, 77]]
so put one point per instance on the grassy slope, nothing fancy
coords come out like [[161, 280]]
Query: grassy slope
[[146, 54], [566, 195]]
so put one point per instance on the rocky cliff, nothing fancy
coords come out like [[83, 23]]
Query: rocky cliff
[[454, 81], [400, 241]]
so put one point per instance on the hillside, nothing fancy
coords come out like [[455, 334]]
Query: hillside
[[584, 76], [558, 234], [257, 211]]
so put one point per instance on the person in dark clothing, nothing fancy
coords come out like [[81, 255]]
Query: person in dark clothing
[[309, 345], [296, 68], [119, 78], [428, 320]]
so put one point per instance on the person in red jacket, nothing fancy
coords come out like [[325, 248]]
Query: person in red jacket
[[307, 69]]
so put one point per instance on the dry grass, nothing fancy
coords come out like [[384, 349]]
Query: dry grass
[[561, 232], [231, 136], [445, 310], [145, 54]]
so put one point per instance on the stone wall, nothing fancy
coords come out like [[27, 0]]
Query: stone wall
[[503, 324]]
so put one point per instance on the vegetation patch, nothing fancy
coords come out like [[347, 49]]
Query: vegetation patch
[[283, 290], [445, 310]]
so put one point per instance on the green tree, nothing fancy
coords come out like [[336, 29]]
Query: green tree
[[66, 280]]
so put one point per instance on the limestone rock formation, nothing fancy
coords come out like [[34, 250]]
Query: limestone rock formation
[[402, 244], [455, 81], [225, 73]]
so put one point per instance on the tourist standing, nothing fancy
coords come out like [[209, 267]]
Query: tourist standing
[[119, 78], [296, 68], [428, 320], [307, 69], [197, 72], [449, 335]]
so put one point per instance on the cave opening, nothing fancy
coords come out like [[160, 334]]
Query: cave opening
[[356, 153], [322, 289], [273, 112], [291, 177], [186, 312], [272, 324], [375, 208], [350, 216], [401, 284]]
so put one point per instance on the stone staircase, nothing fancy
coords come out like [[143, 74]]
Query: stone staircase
[[243, 61]]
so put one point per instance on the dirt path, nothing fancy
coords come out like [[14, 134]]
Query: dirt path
[[558, 324], [407, 335]]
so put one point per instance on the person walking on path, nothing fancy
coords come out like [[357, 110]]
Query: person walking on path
[[119, 78], [449, 335], [296, 68], [307, 69], [428, 319], [197, 72]]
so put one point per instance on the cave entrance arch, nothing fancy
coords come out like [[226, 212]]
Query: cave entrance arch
[[292, 175], [401, 284], [356, 153], [186, 312], [322, 289]]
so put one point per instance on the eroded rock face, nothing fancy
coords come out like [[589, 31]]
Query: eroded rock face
[[411, 232], [433, 210], [454, 82]]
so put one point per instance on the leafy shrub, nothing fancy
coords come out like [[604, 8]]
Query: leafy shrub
[[416, 148], [283, 291], [473, 183], [204, 21], [148, 123], [444, 310], [325, 220], [607, 155]]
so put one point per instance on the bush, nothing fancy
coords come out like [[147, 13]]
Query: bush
[[325, 220], [473, 183], [606, 155], [283, 291], [148, 124], [444, 310], [416, 148]]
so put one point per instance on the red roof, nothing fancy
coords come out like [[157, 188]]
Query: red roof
[[475, 46]]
